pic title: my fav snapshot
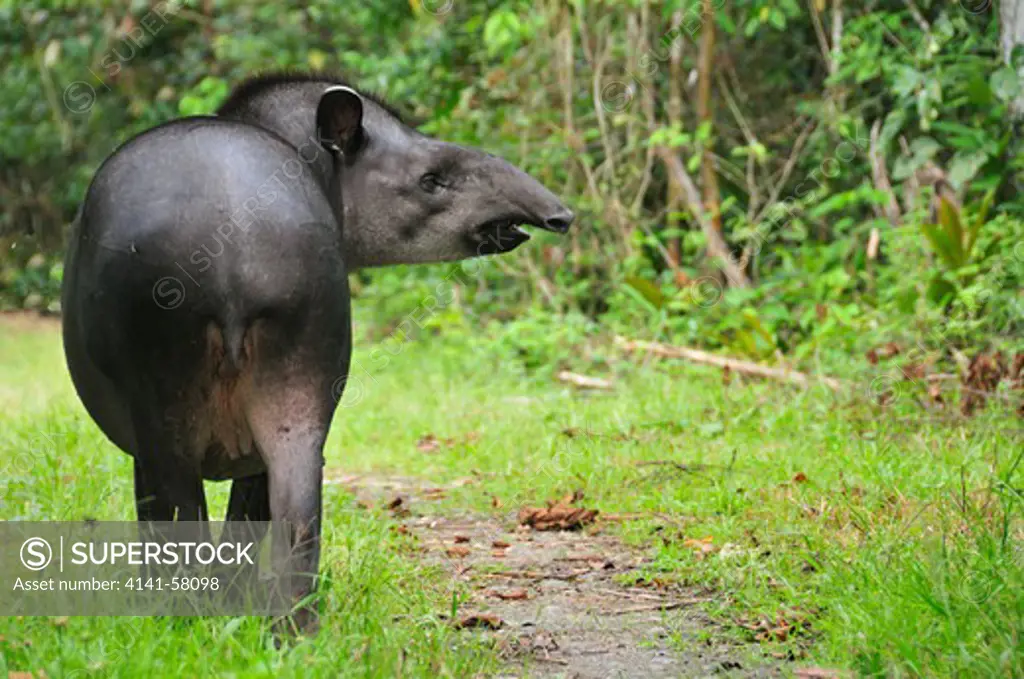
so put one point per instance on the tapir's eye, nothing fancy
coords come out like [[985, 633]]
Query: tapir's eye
[[431, 183]]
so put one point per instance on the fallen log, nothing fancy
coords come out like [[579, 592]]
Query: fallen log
[[733, 364]]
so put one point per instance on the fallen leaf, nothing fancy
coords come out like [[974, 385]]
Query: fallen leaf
[[458, 552], [890, 349], [500, 544], [511, 594], [394, 503], [800, 478], [573, 497], [1016, 374], [428, 443], [495, 502], [913, 371], [702, 547], [488, 620], [498, 553], [558, 515], [983, 376], [872, 356], [401, 529], [461, 538]]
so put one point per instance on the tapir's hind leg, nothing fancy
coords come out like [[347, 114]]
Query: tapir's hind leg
[[289, 422]]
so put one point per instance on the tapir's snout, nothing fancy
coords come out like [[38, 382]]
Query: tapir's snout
[[521, 201]]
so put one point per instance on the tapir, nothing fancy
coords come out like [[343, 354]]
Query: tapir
[[206, 311]]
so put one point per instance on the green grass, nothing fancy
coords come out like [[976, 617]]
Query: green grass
[[888, 538]]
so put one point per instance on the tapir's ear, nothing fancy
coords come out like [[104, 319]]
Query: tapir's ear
[[339, 120]]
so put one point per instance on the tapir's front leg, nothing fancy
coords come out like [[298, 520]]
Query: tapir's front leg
[[290, 427]]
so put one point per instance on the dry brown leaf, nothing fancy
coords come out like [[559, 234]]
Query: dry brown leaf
[[800, 477], [983, 376], [913, 370], [461, 538], [890, 349], [1016, 374], [498, 553], [510, 594], [872, 357], [458, 552], [558, 516], [500, 544], [394, 503], [702, 547], [428, 443], [488, 620]]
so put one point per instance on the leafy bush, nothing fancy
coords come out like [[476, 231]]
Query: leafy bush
[[582, 96]]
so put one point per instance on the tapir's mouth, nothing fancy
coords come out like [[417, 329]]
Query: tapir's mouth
[[505, 234], [501, 235]]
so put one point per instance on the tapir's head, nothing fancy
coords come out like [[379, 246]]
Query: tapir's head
[[409, 198]]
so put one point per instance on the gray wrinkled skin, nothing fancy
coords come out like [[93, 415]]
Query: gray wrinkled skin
[[206, 303]]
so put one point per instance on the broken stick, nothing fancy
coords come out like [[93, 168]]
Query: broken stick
[[743, 367], [583, 381]]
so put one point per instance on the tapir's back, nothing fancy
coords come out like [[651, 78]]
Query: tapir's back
[[200, 225]]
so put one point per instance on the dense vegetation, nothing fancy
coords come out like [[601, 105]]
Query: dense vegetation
[[757, 175], [833, 186]]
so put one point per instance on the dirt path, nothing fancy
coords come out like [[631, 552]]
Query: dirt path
[[556, 598]]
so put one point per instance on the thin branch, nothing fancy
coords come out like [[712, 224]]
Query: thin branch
[[717, 246], [891, 208], [737, 365]]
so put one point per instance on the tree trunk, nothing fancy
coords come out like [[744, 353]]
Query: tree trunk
[[1011, 34], [705, 66], [675, 118]]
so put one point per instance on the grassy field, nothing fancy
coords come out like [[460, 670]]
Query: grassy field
[[886, 540]]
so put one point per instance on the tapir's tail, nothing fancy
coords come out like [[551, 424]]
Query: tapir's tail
[[233, 330]]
